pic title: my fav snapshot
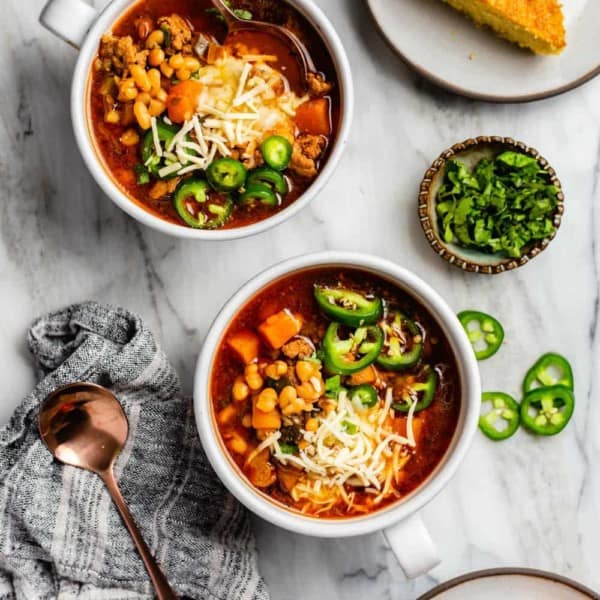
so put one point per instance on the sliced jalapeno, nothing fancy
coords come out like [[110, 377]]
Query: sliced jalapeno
[[402, 345], [423, 393], [503, 419], [226, 174], [277, 152], [258, 193], [364, 395], [269, 177], [484, 332], [550, 369], [348, 307], [151, 161], [199, 207], [353, 353], [547, 410]]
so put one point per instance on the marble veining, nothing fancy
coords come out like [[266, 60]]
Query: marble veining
[[527, 502]]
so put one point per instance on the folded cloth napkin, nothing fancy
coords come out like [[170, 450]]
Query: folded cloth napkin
[[60, 535]]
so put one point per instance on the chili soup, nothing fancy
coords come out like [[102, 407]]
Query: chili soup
[[335, 393], [207, 130]]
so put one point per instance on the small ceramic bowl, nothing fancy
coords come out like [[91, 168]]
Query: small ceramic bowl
[[470, 152]]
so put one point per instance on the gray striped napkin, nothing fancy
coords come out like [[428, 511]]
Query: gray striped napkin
[[60, 536]]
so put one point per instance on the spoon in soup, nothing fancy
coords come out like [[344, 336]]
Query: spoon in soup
[[83, 425], [289, 39]]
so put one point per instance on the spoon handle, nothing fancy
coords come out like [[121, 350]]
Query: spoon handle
[[161, 585]]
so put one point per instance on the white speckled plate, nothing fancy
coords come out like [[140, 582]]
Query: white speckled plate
[[445, 47], [517, 584]]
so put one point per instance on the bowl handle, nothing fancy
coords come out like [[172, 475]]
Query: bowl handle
[[68, 19], [412, 545]]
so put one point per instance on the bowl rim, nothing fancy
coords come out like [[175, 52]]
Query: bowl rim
[[501, 571], [466, 427], [85, 142], [425, 200]]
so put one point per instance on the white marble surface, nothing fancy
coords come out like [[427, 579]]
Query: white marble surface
[[526, 502]]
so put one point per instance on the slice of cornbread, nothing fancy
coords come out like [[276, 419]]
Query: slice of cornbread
[[534, 24]]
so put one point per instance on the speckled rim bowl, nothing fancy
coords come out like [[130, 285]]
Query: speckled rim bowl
[[471, 151], [401, 523], [82, 26], [456, 583]]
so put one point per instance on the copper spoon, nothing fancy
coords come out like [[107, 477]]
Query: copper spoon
[[83, 425], [290, 39]]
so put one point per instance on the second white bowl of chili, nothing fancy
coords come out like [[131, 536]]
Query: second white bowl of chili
[[319, 435]]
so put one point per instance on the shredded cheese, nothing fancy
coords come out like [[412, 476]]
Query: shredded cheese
[[243, 79], [267, 443], [260, 58], [348, 451], [409, 423], [169, 169], [243, 101], [155, 138]]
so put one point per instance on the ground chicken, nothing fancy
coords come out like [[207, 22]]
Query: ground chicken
[[307, 149], [317, 84], [158, 189], [254, 161], [298, 347], [181, 34], [118, 53]]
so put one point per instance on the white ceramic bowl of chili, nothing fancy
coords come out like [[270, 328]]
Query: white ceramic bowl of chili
[[82, 26], [400, 521]]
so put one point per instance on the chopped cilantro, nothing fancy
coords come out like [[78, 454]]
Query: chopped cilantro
[[333, 386], [349, 427], [240, 13], [288, 448], [501, 206], [167, 33], [143, 176]]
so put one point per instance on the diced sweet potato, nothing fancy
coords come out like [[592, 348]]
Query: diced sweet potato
[[368, 375], [280, 328], [314, 117], [264, 420], [180, 108], [190, 88], [246, 344], [183, 100], [214, 52]]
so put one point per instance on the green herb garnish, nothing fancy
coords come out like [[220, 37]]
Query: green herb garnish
[[143, 176], [333, 386], [167, 33], [349, 427], [502, 206], [288, 448], [240, 13]]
